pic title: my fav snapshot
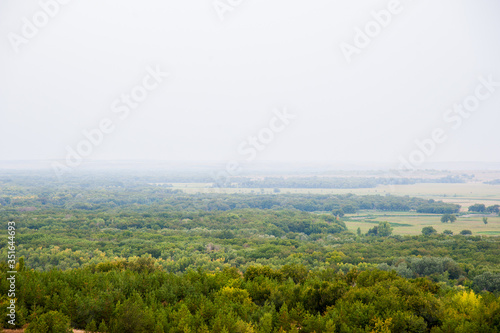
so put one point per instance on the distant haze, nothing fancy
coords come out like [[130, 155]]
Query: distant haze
[[227, 79]]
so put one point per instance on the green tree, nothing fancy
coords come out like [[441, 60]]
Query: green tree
[[485, 220], [338, 213], [159, 328], [487, 281], [50, 322], [493, 209], [349, 209], [448, 218], [478, 208], [373, 231], [266, 323], [21, 265], [448, 232], [465, 232], [132, 317], [384, 229], [102, 327], [91, 327], [427, 231]]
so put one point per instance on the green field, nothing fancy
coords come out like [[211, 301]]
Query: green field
[[412, 223]]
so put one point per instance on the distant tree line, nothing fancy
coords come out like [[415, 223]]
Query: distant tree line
[[333, 182], [481, 208], [168, 200]]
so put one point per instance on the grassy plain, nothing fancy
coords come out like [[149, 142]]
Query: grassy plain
[[412, 223]]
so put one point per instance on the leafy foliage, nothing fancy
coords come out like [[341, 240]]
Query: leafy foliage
[[427, 231], [118, 255], [448, 218], [261, 299], [50, 322]]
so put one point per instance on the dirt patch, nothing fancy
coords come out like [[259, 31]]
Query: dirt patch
[[21, 330], [17, 330]]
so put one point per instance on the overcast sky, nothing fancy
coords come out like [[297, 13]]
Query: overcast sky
[[230, 66]]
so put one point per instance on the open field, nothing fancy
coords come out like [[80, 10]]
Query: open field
[[412, 223]]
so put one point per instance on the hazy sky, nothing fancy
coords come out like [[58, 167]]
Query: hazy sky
[[227, 76]]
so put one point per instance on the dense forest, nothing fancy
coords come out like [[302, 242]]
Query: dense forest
[[97, 193], [140, 297], [121, 255]]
